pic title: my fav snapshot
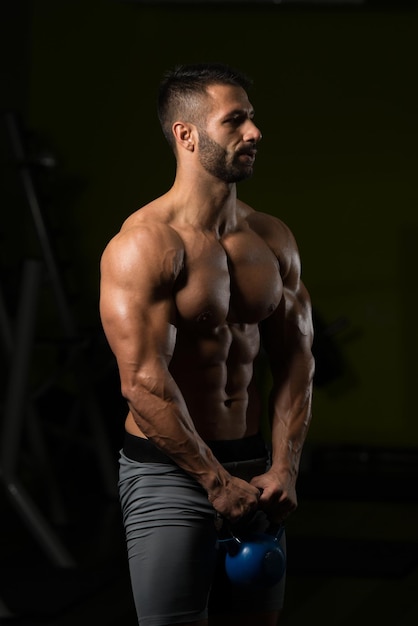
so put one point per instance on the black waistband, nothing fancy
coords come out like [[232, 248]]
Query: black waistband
[[226, 451]]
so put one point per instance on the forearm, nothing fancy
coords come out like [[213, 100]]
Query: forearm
[[161, 414], [291, 407]]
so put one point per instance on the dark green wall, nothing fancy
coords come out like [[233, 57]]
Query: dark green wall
[[336, 98]]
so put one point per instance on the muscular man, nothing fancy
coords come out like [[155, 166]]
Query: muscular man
[[193, 287]]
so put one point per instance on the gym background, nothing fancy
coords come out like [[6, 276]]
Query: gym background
[[336, 97]]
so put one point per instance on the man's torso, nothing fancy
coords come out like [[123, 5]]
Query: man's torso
[[226, 286]]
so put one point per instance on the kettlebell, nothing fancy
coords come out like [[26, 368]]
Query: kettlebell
[[258, 561]]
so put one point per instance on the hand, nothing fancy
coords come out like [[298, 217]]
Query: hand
[[235, 499], [278, 495]]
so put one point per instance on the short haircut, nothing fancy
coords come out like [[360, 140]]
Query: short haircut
[[181, 88]]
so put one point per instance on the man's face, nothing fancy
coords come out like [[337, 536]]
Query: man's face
[[227, 146]]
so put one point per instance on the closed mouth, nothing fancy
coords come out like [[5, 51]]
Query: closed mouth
[[248, 153]]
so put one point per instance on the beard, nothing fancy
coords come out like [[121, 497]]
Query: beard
[[219, 163]]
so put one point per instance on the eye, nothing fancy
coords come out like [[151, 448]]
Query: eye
[[235, 120]]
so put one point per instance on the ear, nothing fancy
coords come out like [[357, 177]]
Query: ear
[[184, 135]]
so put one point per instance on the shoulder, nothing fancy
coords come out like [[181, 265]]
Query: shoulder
[[146, 244], [272, 229], [277, 235]]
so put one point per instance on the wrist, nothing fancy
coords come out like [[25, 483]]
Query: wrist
[[284, 472], [215, 483]]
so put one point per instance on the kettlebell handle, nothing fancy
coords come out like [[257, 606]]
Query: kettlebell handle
[[277, 536], [233, 539]]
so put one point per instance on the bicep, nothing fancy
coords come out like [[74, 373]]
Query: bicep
[[136, 314], [289, 329], [298, 311], [293, 317]]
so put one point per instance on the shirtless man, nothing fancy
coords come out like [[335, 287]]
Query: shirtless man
[[191, 288]]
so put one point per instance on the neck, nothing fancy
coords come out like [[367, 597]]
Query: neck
[[204, 201]]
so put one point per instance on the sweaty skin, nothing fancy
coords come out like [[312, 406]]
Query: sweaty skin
[[191, 287]]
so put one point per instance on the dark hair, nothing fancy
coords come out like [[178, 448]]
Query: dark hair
[[181, 87]]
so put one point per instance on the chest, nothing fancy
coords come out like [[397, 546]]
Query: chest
[[235, 279]]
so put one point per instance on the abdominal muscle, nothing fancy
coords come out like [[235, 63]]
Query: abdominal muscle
[[215, 374]]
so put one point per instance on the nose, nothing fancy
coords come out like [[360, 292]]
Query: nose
[[252, 132]]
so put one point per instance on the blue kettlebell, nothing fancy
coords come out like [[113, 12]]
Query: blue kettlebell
[[258, 561]]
